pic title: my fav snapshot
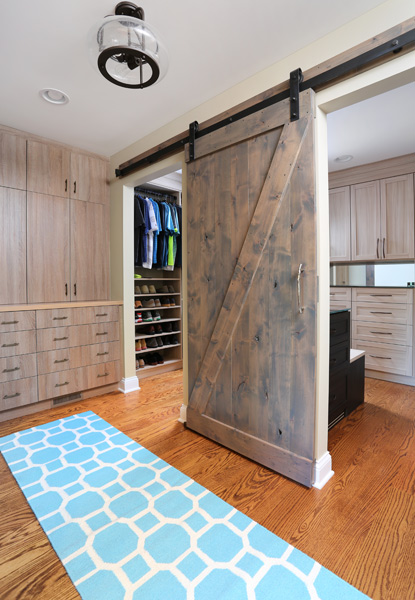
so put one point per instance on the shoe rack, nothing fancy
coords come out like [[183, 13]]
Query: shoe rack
[[158, 325]]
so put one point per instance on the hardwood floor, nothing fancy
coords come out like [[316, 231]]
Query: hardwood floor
[[361, 525]]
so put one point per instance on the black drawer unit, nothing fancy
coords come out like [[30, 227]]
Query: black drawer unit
[[339, 365]]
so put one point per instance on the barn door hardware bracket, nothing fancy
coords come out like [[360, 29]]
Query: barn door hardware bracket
[[193, 129], [296, 78]]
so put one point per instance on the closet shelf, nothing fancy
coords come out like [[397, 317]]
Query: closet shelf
[[150, 367], [152, 335], [144, 308], [157, 279], [157, 321], [158, 294], [139, 352]]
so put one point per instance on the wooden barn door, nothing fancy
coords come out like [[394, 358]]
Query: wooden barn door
[[252, 288]]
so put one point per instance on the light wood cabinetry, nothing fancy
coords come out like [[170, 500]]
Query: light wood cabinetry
[[48, 169], [365, 221], [89, 251], [37, 354], [12, 161], [89, 179], [397, 217], [48, 259], [339, 209], [382, 326], [12, 246]]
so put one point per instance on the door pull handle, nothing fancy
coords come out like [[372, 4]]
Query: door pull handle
[[377, 248], [300, 271], [384, 255]]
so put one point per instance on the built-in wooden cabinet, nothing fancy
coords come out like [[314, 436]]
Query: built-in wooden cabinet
[[339, 210], [397, 217], [12, 246], [89, 179], [48, 257], [12, 161], [365, 221]]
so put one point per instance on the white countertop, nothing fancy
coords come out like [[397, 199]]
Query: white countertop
[[355, 354]]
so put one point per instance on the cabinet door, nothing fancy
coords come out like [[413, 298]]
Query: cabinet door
[[12, 161], [47, 248], [47, 169], [89, 179], [89, 251], [365, 221], [397, 217], [13, 246], [339, 207]]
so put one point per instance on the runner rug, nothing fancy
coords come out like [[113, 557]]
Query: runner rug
[[128, 526]]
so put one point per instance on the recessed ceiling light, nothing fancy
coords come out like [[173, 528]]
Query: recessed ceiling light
[[343, 158], [54, 96]]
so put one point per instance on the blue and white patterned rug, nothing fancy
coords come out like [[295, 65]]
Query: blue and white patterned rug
[[126, 525]]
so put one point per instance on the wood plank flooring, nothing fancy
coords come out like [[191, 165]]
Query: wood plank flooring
[[361, 525]]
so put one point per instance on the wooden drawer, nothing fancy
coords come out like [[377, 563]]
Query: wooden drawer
[[341, 293], [382, 333], [338, 305], [18, 393], [339, 356], [61, 383], [18, 367], [17, 321], [78, 335], [338, 384], [339, 328], [103, 374], [400, 314], [58, 317], [17, 342], [388, 358], [78, 356], [389, 295]]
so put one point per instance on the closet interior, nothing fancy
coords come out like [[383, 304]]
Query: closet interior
[[158, 275]]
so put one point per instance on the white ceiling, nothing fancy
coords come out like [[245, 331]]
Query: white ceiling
[[212, 46], [375, 129]]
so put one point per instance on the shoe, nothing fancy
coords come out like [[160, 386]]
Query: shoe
[[138, 317], [159, 328], [147, 317], [152, 289], [137, 276], [175, 326], [158, 357], [157, 316], [148, 303], [157, 302], [152, 343], [166, 340], [144, 289], [165, 302], [137, 345], [152, 360], [172, 302], [137, 289], [167, 327], [141, 363], [137, 304], [137, 364], [171, 289], [159, 341], [163, 290], [174, 340], [143, 345], [151, 330]]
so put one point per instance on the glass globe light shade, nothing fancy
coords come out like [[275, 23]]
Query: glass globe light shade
[[128, 52]]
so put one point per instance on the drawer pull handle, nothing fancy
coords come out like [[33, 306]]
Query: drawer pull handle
[[10, 322], [382, 295], [61, 384], [379, 312], [59, 318], [11, 370], [332, 293], [104, 333], [10, 345], [102, 315], [103, 375], [383, 357], [7, 396], [61, 361], [333, 330], [382, 332], [333, 360], [60, 339], [102, 353]]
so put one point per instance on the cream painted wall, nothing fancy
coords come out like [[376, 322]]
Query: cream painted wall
[[372, 23]]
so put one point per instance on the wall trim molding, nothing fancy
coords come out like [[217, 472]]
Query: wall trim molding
[[382, 169], [322, 471], [129, 384], [183, 414]]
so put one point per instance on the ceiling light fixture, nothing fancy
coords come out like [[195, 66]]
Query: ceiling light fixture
[[54, 96], [127, 51], [343, 158]]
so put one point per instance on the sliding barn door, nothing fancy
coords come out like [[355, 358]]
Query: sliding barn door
[[252, 288]]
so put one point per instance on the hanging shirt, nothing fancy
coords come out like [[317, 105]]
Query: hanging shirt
[[139, 226], [156, 231], [150, 233]]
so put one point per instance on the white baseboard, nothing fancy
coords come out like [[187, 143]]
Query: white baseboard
[[129, 384], [183, 414], [322, 471]]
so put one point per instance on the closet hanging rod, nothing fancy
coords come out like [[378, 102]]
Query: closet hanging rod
[[151, 193], [324, 78]]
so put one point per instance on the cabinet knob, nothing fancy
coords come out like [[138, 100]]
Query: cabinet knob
[[66, 185], [74, 289], [74, 187]]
